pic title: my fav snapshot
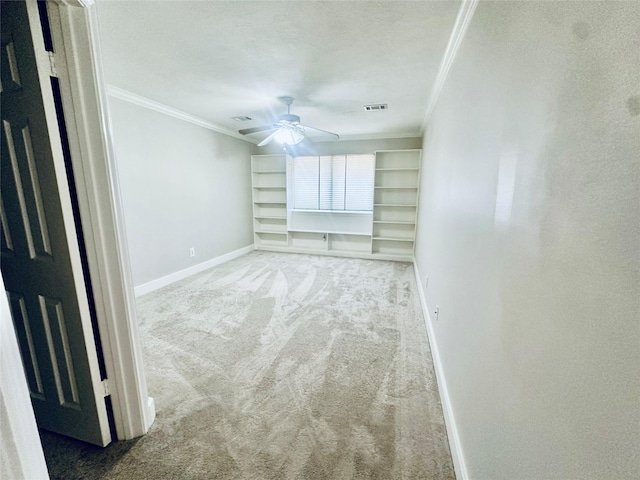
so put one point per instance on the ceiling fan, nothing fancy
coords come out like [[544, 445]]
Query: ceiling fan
[[288, 130]]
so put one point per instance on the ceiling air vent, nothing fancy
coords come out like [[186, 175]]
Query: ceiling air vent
[[241, 118], [376, 106]]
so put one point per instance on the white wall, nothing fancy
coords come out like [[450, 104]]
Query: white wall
[[529, 231], [182, 186]]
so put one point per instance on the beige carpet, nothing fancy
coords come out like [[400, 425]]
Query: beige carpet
[[281, 366]]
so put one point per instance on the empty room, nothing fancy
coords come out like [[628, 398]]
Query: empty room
[[320, 239]]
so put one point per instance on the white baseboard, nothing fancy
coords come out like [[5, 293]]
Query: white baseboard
[[151, 412], [187, 272], [452, 431]]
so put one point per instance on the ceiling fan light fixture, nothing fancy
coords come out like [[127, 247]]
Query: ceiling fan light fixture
[[287, 130], [289, 136]]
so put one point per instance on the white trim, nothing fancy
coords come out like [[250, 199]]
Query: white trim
[[86, 114], [187, 272], [127, 96], [449, 418], [75, 3], [400, 150], [337, 253], [373, 136], [467, 9], [339, 212]]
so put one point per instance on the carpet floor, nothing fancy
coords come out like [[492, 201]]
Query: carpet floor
[[281, 366]]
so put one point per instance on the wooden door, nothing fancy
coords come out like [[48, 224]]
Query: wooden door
[[40, 254]]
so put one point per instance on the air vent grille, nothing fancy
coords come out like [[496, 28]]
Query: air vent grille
[[376, 106]]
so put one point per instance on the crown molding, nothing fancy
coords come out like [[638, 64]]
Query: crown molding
[[127, 96], [378, 136], [467, 9], [76, 3]]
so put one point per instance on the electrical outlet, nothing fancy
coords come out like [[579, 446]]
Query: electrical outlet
[[437, 312], [192, 252]]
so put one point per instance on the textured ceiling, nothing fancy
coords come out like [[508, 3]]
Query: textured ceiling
[[220, 59]]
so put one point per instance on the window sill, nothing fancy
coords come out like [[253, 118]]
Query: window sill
[[332, 212]]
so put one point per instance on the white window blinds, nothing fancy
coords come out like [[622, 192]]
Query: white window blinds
[[334, 182], [359, 178], [306, 187]]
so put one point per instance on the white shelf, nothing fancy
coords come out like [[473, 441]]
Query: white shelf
[[392, 247], [268, 163], [271, 239], [412, 205], [394, 222], [360, 244], [397, 169], [398, 159], [270, 196], [269, 180], [308, 240], [269, 201], [266, 210], [395, 208], [389, 236], [393, 239], [332, 232], [273, 232], [270, 224]]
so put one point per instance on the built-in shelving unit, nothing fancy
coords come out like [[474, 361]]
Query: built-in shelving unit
[[395, 203], [392, 233], [269, 181]]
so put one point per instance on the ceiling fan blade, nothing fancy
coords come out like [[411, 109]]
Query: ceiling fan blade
[[323, 131], [269, 138], [246, 131]]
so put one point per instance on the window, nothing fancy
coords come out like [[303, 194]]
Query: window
[[333, 182]]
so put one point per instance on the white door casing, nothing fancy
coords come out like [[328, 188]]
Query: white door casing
[[41, 261], [79, 67]]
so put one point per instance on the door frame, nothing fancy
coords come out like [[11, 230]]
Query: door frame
[[78, 65]]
